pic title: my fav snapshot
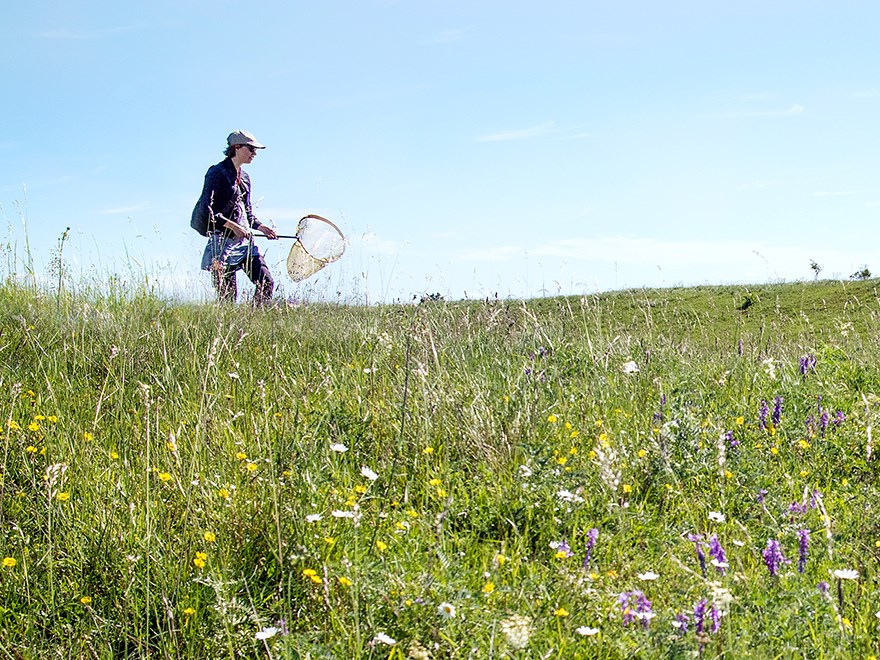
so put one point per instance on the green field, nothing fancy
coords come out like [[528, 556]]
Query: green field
[[329, 481]]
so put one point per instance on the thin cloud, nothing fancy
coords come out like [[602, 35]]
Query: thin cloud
[[795, 109], [124, 210], [518, 134]]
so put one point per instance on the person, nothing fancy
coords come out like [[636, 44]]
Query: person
[[231, 247]]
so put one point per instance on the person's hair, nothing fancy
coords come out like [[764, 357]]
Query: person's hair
[[230, 150]]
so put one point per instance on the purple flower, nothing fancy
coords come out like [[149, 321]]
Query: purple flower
[[823, 588], [761, 495], [635, 605], [739, 347], [773, 556], [700, 614], [592, 535], [697, 540], [803, 547], [808, 364], [731, 441], [562, 547], [839, 418], [681, 623], [715, 618], [717, 553], [763, 411], [797, 509], [777, 410]]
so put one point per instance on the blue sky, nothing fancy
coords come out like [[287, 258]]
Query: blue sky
[[468, 148]]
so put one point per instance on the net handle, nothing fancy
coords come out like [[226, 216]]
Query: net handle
[[296, 236]]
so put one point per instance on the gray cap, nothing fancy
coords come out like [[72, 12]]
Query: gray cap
[[243, 137]]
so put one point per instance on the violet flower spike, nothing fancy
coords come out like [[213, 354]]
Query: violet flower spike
[[715, 618], [701, 556], [777, 410], [773, 557], [803, 547], [700, 614], [763, 411], [592, 536], [717, 553]]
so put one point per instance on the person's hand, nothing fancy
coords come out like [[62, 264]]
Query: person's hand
[[238, 230], [269, 231]]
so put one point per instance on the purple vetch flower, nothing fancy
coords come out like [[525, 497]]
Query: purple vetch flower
[[717, 554], [697, 540], [731, 441], [681, 623], [700, 614], [777, 410], [797, 508], [803, 547], [839, 418], [773, 556], [592, 536], [823, 587], [761, 495], [808, 364], [763, 411], [635, 605], [814, 499], [562, 549], [715, 618]]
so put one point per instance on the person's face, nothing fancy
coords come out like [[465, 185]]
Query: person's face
[[246, 153]]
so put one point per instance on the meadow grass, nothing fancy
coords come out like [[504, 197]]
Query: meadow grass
[[588, 477]]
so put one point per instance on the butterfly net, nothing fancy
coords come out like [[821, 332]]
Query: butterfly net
[[319, 242]]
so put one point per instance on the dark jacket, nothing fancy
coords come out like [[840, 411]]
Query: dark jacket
[[222, 193]]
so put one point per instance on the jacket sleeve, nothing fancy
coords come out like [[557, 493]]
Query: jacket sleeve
[[246, 195]]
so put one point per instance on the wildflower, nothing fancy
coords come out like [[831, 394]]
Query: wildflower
[[715, 618], [627, 488], [88, 437], [312, 574], [250, 466], [417, 651], [592, 535], [697, 540], [584, 631], [52, 419], [648, 576], [30, 449], [9, 562], [808, 364], [63, 496], [33, 426], [164, 476], [700, 614], [488, 588], [382, 546], [719, 559], [446, 610], [552, 419], [777, 410], [200, 559], [635, 605], [210, 537], [773, 557], [803, 546], [313, 517], [517, 629], [681, 623], [267, 633], [763, 412], [500, 559], [113, 455], [189, 611], [12, 425], [568, 496], [715, 516], [562, 549], [846, 574], [561, 612], [382, 638], [823, 588], [434, 482], [428, 450], [630, 367], [338, 447], [342, 514], [344, 581], [86, 600], [240, 455]]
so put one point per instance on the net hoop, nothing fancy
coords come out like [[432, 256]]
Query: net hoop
[[329, 243]]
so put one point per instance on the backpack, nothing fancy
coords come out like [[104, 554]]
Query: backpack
[[200, 217]]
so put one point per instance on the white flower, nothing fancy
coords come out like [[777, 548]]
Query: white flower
[[517, 629], [338, 447], [650, 575], [313, 517], [525, 471], [584, 631], [846, 574], [568, 496], [382, 638], [630, 367], [342, 514], [719, 564], [446, 610], [368, 473], [267, 633], [715, 516], [770, 367]]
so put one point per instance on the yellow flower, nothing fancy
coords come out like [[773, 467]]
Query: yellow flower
[[114, 455], [309, 572], [171, 445], [488, 588], [561, 554], [360, 489], [740, 420], [33, 426], [575, 433], [39, 418], [642, 453], [251, 467], [774, 451], [189, 611], [434, 482], [210, 537], [552, 419], [12, 425], [412, 513], [52, 419], [562, 460], [223, 493], [86, 600], [30, 449], [428, 450], [560, 612], [598, 423], [803, 444], [441, 492], [627, 488], [382, 546], [9, 562], [500, 559], [241, 455], [62, 496], [344, 581], [88, 437], [164, 476], [804, 473], [843, 483], [728, 474], [200, 559], [612, 573]]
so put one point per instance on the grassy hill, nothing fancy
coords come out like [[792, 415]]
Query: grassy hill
[[546, 478]]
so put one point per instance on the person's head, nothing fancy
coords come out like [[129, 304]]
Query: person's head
[[239, 140]]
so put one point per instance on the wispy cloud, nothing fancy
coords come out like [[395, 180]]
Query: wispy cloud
[[74, 34], [518, 134], [795, 109], [446, 36]]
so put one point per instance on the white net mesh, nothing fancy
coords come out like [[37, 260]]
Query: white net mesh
[[319, 243]]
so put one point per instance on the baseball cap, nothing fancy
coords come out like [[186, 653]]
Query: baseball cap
[[243, 137]]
